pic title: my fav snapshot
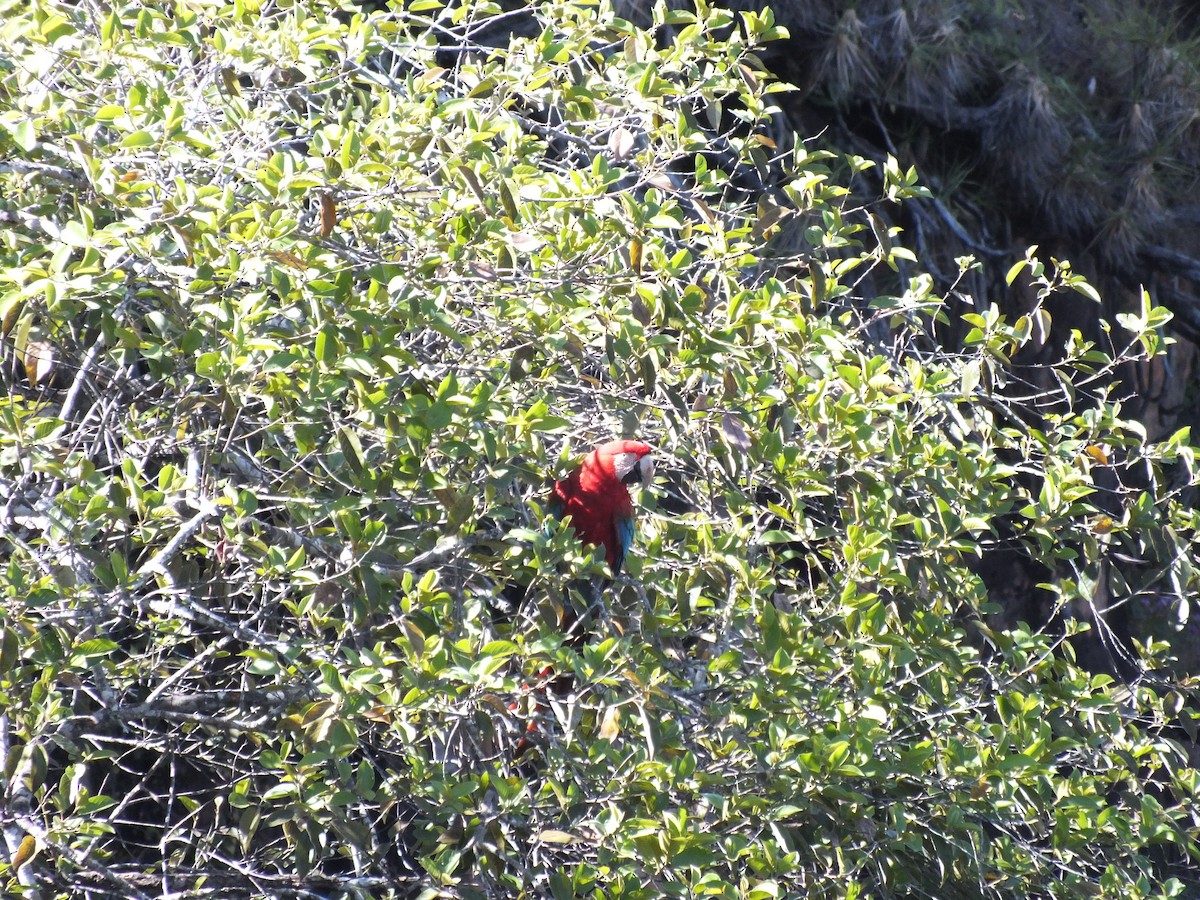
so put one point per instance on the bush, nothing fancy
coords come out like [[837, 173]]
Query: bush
[[303, 309]]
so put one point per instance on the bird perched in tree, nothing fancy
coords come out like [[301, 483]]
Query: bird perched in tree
[[596, 497]]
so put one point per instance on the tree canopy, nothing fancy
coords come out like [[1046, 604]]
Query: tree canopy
[[305, 306]]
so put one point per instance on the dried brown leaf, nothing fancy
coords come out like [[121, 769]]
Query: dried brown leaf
[[39, 362], [735, 434], [329, 214]]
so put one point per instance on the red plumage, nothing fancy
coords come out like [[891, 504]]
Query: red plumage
[[596, 496]]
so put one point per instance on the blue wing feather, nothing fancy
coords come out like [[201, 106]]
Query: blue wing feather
[[554, 507], [625, 529]]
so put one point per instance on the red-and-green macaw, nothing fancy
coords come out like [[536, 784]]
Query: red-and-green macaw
[[596, 496]]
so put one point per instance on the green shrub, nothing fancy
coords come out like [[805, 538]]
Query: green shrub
[[303, 309]]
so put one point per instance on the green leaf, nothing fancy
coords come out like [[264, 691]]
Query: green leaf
[[74, 234], [281, 362], [138, 139], [1014, 270], [24, 134], [1082, 287], [96, 647], [970, 378], [94, 805], [352, 450]]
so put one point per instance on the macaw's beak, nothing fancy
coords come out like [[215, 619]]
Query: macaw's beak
[[630, 468], [643, 472], [646, 468]]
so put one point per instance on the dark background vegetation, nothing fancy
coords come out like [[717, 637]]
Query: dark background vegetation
[[1071, 126]]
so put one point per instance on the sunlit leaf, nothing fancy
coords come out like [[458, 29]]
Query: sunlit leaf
[[620, 143]]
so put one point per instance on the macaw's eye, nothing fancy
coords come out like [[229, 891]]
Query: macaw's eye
[[625, 465]]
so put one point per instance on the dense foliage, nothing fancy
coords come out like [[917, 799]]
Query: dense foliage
[[304, 307], [1066, 124], [1082, 118]]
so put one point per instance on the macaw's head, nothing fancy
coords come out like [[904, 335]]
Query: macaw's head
[[632, 461]]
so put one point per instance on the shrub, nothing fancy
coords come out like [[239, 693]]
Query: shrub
[[304, 307]]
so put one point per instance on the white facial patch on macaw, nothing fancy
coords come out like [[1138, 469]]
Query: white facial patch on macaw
[[626, 464]]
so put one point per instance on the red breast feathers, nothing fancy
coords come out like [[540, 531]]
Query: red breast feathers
[[596, 496]]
